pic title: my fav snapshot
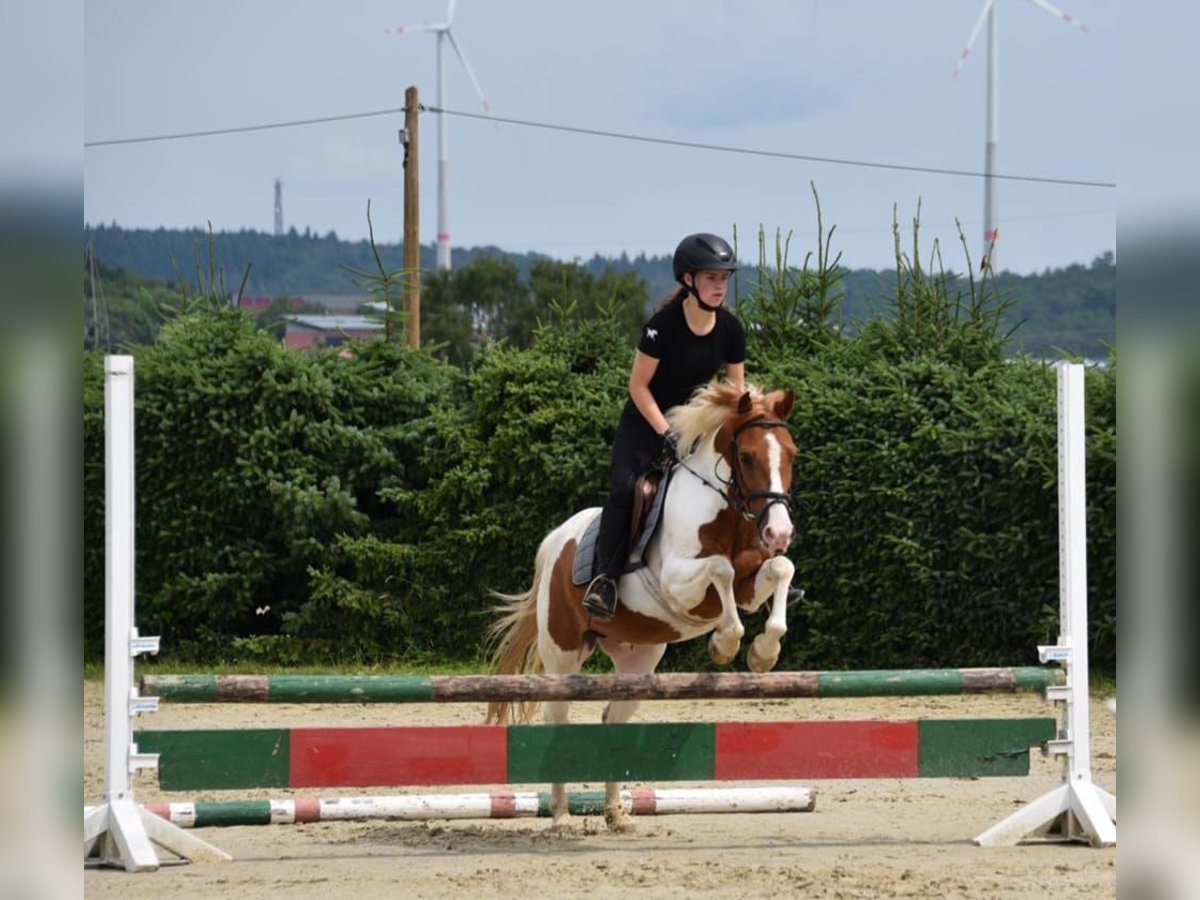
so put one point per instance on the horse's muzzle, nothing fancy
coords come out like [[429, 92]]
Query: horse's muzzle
[[777, 539]]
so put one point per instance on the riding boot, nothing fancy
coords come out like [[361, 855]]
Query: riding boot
[[612, 547], [600, 601]]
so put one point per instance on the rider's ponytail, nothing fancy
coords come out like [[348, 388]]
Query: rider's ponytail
[[676, 296]]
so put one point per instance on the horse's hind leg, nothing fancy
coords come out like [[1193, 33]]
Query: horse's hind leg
[[628, 659], [556, 712]]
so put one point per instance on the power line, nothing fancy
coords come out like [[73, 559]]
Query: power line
[[183, 135], [776, 154], [616, 135]]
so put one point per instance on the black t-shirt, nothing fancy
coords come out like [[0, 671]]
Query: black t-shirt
[[687, 360]]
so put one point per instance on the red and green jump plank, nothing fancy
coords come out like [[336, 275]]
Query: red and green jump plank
[[665, 686], [658, 751]]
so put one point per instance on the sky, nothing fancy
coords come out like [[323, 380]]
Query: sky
[[864, 81]]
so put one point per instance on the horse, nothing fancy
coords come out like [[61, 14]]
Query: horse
[[724, 527]]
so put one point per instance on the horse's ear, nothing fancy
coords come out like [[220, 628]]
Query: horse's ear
[[783, 406], [744, 403]]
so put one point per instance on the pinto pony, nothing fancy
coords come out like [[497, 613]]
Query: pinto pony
[[719, 547]]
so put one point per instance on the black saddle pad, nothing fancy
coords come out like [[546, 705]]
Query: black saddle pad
[[583, 571]]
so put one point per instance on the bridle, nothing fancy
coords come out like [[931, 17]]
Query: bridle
[[735, 493]]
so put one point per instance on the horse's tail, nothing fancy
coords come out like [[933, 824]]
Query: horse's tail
[[514, 636]]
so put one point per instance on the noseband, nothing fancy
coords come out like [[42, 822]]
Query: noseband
[[737, 496]]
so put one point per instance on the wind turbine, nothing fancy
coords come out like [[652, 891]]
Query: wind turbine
[[443, 32], [991, 224]]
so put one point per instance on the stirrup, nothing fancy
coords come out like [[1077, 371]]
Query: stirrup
[[600, 601]]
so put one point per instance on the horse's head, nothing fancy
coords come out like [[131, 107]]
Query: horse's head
[[749, 432], [760, 453]]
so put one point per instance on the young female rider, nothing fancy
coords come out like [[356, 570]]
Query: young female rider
[[683, 346]]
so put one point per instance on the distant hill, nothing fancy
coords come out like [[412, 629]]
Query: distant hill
[[1073, 308]]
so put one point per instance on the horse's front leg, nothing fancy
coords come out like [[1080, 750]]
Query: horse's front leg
[[773, 580], [686, 581]]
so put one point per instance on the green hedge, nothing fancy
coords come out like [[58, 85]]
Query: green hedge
[[308, 508], [252, 462]]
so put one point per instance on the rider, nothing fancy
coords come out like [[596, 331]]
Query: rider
[[683, 346]]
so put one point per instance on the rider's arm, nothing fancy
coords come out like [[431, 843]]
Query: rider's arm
[[644, 368], [735, 374]]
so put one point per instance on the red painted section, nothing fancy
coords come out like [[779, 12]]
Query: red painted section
[[756, 750], [644, 802], [308, 809], [368, 757], [162, 810], [504, 805]]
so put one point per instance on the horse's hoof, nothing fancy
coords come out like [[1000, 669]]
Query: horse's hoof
[[761, 660], [720, 656], [723, 652], [564, 826], [619, 821], [761, 664]]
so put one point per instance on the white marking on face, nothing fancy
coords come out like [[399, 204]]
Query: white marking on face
[[774, 458], [778, 520]]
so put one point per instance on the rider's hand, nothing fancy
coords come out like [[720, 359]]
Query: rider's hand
[[670, 447]]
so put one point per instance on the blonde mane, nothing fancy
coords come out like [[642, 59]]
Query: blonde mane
[[710, 405]]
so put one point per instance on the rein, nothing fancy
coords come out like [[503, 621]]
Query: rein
[[735, 495]]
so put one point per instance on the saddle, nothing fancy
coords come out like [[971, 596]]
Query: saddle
[[649, 492]]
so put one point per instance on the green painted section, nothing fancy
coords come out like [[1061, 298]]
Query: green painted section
[[298, 689], [185, 688], [657, 751], [237, 812], [979, 747], [579, 803], [921, 682], [1037, 678], [219, 760], [889, 683], [350, 689]]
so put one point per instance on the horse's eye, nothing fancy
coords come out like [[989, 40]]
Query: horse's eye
[[746, 458]]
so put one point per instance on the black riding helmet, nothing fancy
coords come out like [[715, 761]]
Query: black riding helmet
[[703, 251]]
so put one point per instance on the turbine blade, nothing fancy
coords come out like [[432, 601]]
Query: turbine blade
[[466, 65], [966, 51], [404, 29], [450, 12], [1065, 16]]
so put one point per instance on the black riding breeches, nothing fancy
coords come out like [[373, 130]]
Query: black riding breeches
[[633, 452]]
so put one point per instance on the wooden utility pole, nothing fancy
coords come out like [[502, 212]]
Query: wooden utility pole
[[412, 214]]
